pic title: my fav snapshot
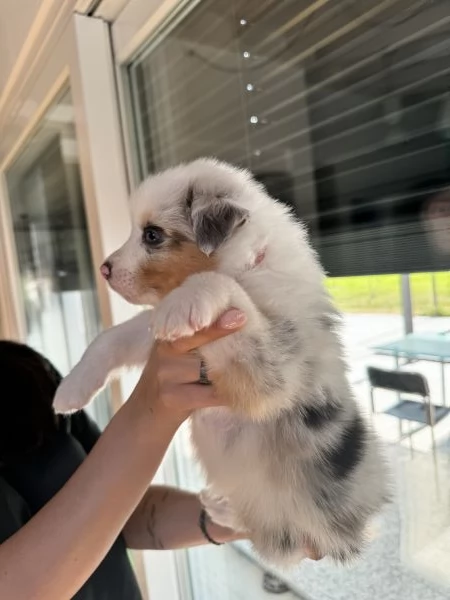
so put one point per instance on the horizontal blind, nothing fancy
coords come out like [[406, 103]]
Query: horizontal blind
[[342, 109]]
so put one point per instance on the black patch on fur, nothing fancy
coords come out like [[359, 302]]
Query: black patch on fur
[[215, 223], [318, 416], [348, 452], [215, 226]]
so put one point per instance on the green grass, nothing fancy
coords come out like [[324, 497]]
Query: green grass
[[382, 293]]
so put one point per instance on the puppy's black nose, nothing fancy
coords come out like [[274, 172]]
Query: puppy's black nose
[[106, 269]]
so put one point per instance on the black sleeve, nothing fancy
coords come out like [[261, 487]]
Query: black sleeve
[[85, 430], [14, 512]]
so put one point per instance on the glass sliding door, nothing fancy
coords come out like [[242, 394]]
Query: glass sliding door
[[341, 109], [51, 235]]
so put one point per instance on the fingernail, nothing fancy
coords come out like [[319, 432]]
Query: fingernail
[[232, 319]]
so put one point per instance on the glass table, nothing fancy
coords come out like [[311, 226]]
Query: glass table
[[434, 347]]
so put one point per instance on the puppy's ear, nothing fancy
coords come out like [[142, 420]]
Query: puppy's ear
[[213, 219]]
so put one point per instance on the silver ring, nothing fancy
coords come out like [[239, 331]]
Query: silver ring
[[203, 377]]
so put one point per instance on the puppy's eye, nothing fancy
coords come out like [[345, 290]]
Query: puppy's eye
[[152, 235]]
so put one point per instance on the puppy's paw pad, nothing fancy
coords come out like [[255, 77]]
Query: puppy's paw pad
[[183, 313], [170, 326]]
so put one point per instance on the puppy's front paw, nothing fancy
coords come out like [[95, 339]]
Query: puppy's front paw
[[193, 306], [220, 510], [76, 390]]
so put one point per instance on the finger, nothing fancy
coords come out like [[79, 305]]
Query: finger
[[179, 369], [190, 396], [229, 322]]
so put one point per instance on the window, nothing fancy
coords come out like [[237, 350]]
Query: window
[[342, 110], [52, 243]]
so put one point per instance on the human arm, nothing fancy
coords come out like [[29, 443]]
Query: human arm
[[53, 555], [168, 519]]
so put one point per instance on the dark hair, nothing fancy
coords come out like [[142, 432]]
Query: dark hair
[[28, 383]]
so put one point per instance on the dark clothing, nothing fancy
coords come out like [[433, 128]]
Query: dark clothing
[[29, 484]]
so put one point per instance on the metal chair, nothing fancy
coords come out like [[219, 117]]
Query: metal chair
[[412, 384]]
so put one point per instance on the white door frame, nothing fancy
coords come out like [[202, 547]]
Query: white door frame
[[79, 56]]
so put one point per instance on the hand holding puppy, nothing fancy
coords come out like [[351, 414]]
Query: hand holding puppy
[[169, 384]]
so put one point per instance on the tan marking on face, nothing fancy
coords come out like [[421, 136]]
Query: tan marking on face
[[167, 271]]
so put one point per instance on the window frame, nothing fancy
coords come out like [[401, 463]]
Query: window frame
[[139, 22]]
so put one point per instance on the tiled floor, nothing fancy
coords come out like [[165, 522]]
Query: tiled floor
[[409, 558]]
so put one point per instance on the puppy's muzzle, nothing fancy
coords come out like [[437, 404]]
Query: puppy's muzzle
[[106, 270]]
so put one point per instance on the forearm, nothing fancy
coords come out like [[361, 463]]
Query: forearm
[[53, 555], [168, 519]]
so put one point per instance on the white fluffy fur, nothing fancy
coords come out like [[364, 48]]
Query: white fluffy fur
[[271, 472]]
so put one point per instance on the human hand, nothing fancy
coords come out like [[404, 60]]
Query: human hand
[[169, 382]]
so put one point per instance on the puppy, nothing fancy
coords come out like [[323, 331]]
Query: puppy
[[292, 462]]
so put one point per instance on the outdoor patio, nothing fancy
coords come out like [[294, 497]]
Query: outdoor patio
[[408, 559]]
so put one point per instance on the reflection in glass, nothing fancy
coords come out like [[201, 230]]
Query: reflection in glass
[[342, 110], [51, 234]]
